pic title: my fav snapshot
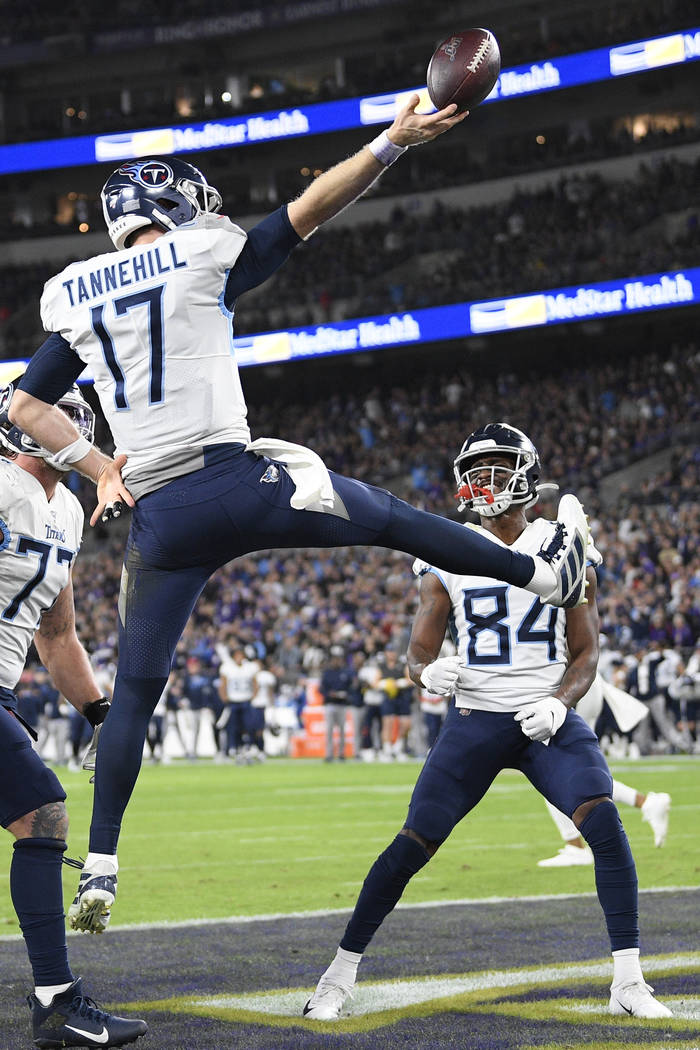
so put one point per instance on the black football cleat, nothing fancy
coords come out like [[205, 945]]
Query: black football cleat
[[72, 1019]]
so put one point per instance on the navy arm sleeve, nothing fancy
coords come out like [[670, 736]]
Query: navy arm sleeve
[[52, 370], [268, 246]]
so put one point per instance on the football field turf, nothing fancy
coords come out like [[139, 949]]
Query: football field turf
[[455, 965]]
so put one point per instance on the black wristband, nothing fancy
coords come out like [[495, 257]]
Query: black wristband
[[97, 711]]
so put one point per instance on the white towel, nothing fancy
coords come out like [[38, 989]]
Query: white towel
[[305, 467], [627, 710]]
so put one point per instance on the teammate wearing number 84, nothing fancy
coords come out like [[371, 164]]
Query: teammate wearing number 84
[[520, 669]]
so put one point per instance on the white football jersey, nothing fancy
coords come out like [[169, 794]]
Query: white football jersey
[[265, 683], [240, 679], [369, 676], [151, 324], [513, 646], [39, 540]]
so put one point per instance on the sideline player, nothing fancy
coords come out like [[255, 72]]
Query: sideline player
[[237, 687], [41, 526], [515, 689], [154, 324], [262, 702]]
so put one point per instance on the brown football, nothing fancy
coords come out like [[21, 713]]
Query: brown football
[[464, 69]]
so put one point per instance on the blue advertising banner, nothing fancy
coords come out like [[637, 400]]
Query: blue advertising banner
[[534, 78], [609, 298], [629, 295]]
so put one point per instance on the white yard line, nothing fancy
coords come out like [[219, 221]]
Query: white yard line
[[232, 920]]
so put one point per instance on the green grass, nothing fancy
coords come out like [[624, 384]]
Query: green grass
[[201, 841]]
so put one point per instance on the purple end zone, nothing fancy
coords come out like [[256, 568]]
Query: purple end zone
[[126, 966]]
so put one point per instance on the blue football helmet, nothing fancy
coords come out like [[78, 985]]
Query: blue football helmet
[[14, 439], [155, 193], [516, 484]]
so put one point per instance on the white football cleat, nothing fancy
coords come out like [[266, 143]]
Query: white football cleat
[[635, 999], [92, 905], [327, 1001], [655, 811], [565, 554], [568, 857]]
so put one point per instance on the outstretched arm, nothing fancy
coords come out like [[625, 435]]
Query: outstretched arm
[[53, 430], [341, 185]]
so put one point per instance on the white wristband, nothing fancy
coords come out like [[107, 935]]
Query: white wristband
[[71, 453], [385, 150]]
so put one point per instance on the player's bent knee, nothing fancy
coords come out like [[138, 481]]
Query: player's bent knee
[[403, 858], [429, 846], [431, 820], [582, 811], [588, 784], [49, 821]]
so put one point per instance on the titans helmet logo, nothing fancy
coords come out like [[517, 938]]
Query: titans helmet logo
[[150, 174]]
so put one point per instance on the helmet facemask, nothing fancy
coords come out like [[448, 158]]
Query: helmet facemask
[[490, 490], [202, 196]]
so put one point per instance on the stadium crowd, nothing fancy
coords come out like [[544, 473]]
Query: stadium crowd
[[581, 228], [560, 144], [394, 64], [289, 609]]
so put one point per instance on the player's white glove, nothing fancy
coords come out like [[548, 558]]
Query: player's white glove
[[90, 756], [95, 712], [440, 677], [541, 720]]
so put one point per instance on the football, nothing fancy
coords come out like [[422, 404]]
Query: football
[[464, 69]]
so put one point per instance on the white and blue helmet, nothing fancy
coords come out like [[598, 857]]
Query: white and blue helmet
[[517, 484], [14, 439], [162, 193]]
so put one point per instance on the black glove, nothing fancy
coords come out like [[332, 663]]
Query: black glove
[[97, 711]]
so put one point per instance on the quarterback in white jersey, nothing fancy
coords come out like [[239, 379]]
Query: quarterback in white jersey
[[237, 677], [515, 686], [164, 405]]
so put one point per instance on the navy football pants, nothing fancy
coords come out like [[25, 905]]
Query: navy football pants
[[473, 748], [183, 532]]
